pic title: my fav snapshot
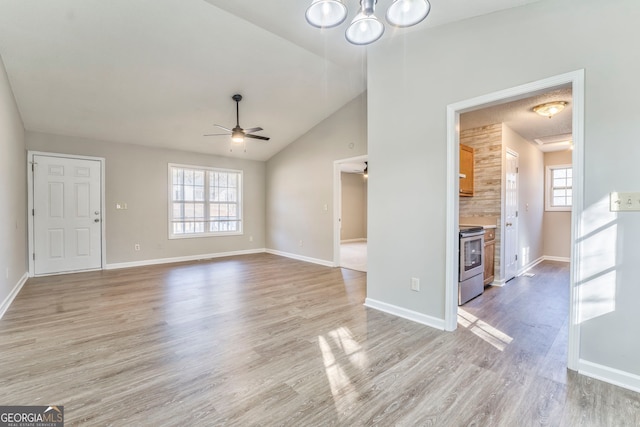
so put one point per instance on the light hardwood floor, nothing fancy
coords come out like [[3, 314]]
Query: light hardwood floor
[[264, 340]]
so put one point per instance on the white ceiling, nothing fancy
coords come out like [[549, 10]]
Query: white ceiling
[[162, 72], [521, 118]]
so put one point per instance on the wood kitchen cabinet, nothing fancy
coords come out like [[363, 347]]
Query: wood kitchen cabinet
[[489, 255], [466, 170]]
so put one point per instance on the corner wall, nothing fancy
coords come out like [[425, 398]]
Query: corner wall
[[299, 182], [13, 195]]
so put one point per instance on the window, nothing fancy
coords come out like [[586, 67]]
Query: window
[[559, 188], [204, 201]]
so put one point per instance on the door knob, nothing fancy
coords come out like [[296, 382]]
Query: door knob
[[97, 212], [96, 220]]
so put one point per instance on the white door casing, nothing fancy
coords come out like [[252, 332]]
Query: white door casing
[[510, 221], [577, 81], [67, 214]]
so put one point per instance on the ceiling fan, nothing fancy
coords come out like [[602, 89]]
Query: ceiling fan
[[237, 133]]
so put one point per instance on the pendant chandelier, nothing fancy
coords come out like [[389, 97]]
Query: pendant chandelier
[[366, 28]]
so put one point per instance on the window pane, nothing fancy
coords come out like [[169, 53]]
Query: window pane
[[558, 201], [559, 193], [559, 182], [199, 211], [178, 193], [179, 176], [177, 211], [189, 210], [199, 194], [188, 193], [199, 178], [214, 210]]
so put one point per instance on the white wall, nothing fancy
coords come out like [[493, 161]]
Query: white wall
[[354, 206], [412, 79], [530, 196], [137, 175], [300, 183], [557, 224], [13, 190]]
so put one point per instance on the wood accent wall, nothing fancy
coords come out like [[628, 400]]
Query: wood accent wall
[[486, 201]]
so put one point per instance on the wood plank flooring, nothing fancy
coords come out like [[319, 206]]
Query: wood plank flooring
[[262, 340]]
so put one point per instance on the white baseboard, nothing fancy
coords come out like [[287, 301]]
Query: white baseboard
[[556, 258], [13, 294], [539, 260], [610, 375], [362, 239], [405, 313], [300, 257], [145, 262], [529, 266]]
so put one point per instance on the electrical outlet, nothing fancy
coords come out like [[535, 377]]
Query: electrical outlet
[[251, 238], [136, 246], [415, 284], [300, 243], [624, 202]]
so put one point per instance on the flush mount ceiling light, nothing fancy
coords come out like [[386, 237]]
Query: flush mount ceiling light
[[550, 109], [366, 28]]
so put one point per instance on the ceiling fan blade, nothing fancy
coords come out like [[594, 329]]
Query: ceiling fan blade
[[264, 138], [216, 134], [222, 127], [252, 130]]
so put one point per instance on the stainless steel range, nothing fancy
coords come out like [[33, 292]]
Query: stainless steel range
[[470, 275]]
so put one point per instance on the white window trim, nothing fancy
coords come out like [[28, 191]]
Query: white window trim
[[205, 234], [548, 189]]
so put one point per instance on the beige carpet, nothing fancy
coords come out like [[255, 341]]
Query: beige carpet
[[353, 255]]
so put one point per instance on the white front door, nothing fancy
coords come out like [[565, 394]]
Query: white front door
[[511, 217], [67, 214]]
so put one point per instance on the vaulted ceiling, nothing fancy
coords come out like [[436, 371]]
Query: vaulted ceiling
[[162, 72]]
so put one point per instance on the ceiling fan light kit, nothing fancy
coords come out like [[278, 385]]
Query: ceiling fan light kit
[[238, 134], [366, 28], [550, 109]]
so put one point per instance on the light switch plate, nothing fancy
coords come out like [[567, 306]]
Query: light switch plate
[[624, 202]]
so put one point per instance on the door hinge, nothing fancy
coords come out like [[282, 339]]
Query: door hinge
[[516, 257], [34, 256], [517, 170], [516, 214], [33, 212]]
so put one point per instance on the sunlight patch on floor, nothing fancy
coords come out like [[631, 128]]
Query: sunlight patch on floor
[[488, 333], [340, 342]]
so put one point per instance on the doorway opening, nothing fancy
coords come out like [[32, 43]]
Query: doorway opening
[[576, 80], [350, 213]]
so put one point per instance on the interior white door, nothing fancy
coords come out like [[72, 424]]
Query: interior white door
[[66, 214], [511, 217]]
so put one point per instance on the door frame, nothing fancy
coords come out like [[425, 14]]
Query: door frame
[[30, 224], [337, 203], [577, 80]]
